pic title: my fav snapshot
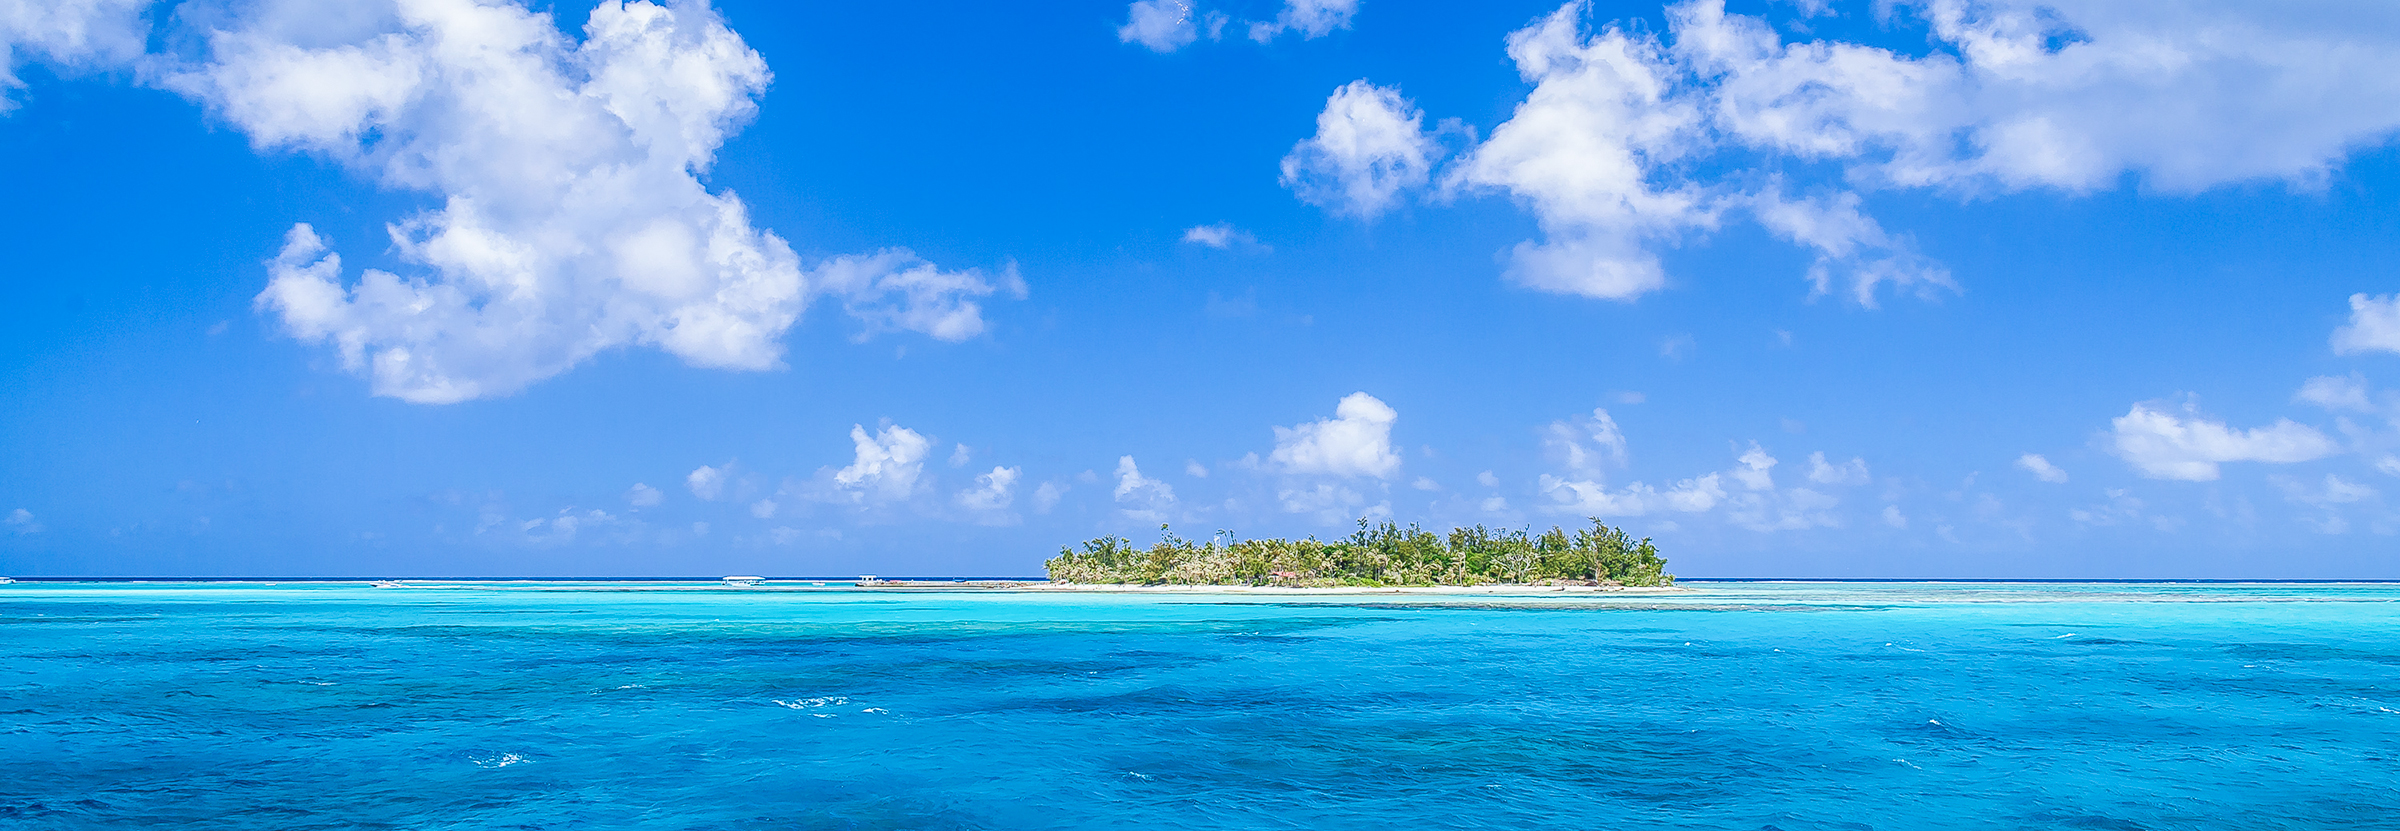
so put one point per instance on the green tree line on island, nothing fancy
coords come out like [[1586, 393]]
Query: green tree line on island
[[1384, 554]]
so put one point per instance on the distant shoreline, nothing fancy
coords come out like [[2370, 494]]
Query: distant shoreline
[[1037, 581], [1497, 589]]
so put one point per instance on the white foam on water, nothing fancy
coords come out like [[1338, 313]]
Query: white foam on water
[[500, 761], [2364, 705], [813, 703]]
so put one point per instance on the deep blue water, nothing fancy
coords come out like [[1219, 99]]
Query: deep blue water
[[1737, 706]]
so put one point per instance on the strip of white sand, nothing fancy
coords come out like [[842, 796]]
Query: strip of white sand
[[1496, 590]]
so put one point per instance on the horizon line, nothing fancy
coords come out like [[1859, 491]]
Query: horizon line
[[854, 578]]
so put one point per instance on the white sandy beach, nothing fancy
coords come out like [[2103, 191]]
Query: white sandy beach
[[1497, 590]]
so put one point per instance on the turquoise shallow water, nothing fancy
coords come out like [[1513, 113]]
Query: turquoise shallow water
[[1737, 706]]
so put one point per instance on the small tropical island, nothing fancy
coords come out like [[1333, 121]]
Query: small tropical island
[[1378, 555]]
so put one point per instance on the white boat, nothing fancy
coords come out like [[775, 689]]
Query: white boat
[[7, 580], [744, 580], [386, 584]]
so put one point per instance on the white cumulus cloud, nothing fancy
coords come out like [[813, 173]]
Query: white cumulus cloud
[[572, 219], [1795, 509], [1893, 517], [1330, 504], [894, 290], [1852, 248], [886, 466], [2164, 445], [1756, 469], [1591, 498], [1370, 147], [2121, 508], [1585, 443], [1159, 25], [1357, 441], [2334, 491], [2029, 94], [1141, 497], [1632, 140], [1762, 507], [2337, 393], [644, 496], [1582, 151], [2329, 498], [1853, 472], [1220, 235], [2041, 468], [2374, 326], [1046, 497], [991, 496], [706, 482], [1311, 18], [21, 521], [68, 35], [1758, 505], [568, 526]]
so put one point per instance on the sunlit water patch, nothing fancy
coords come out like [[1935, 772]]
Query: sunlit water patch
[[1735, 706]]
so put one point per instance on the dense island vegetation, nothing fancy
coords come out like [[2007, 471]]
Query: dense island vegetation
[[1377, 555]]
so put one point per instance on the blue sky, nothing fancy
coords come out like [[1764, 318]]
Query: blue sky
[[1940, 289]]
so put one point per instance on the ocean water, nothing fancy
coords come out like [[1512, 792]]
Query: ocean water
[[1735, 706]]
